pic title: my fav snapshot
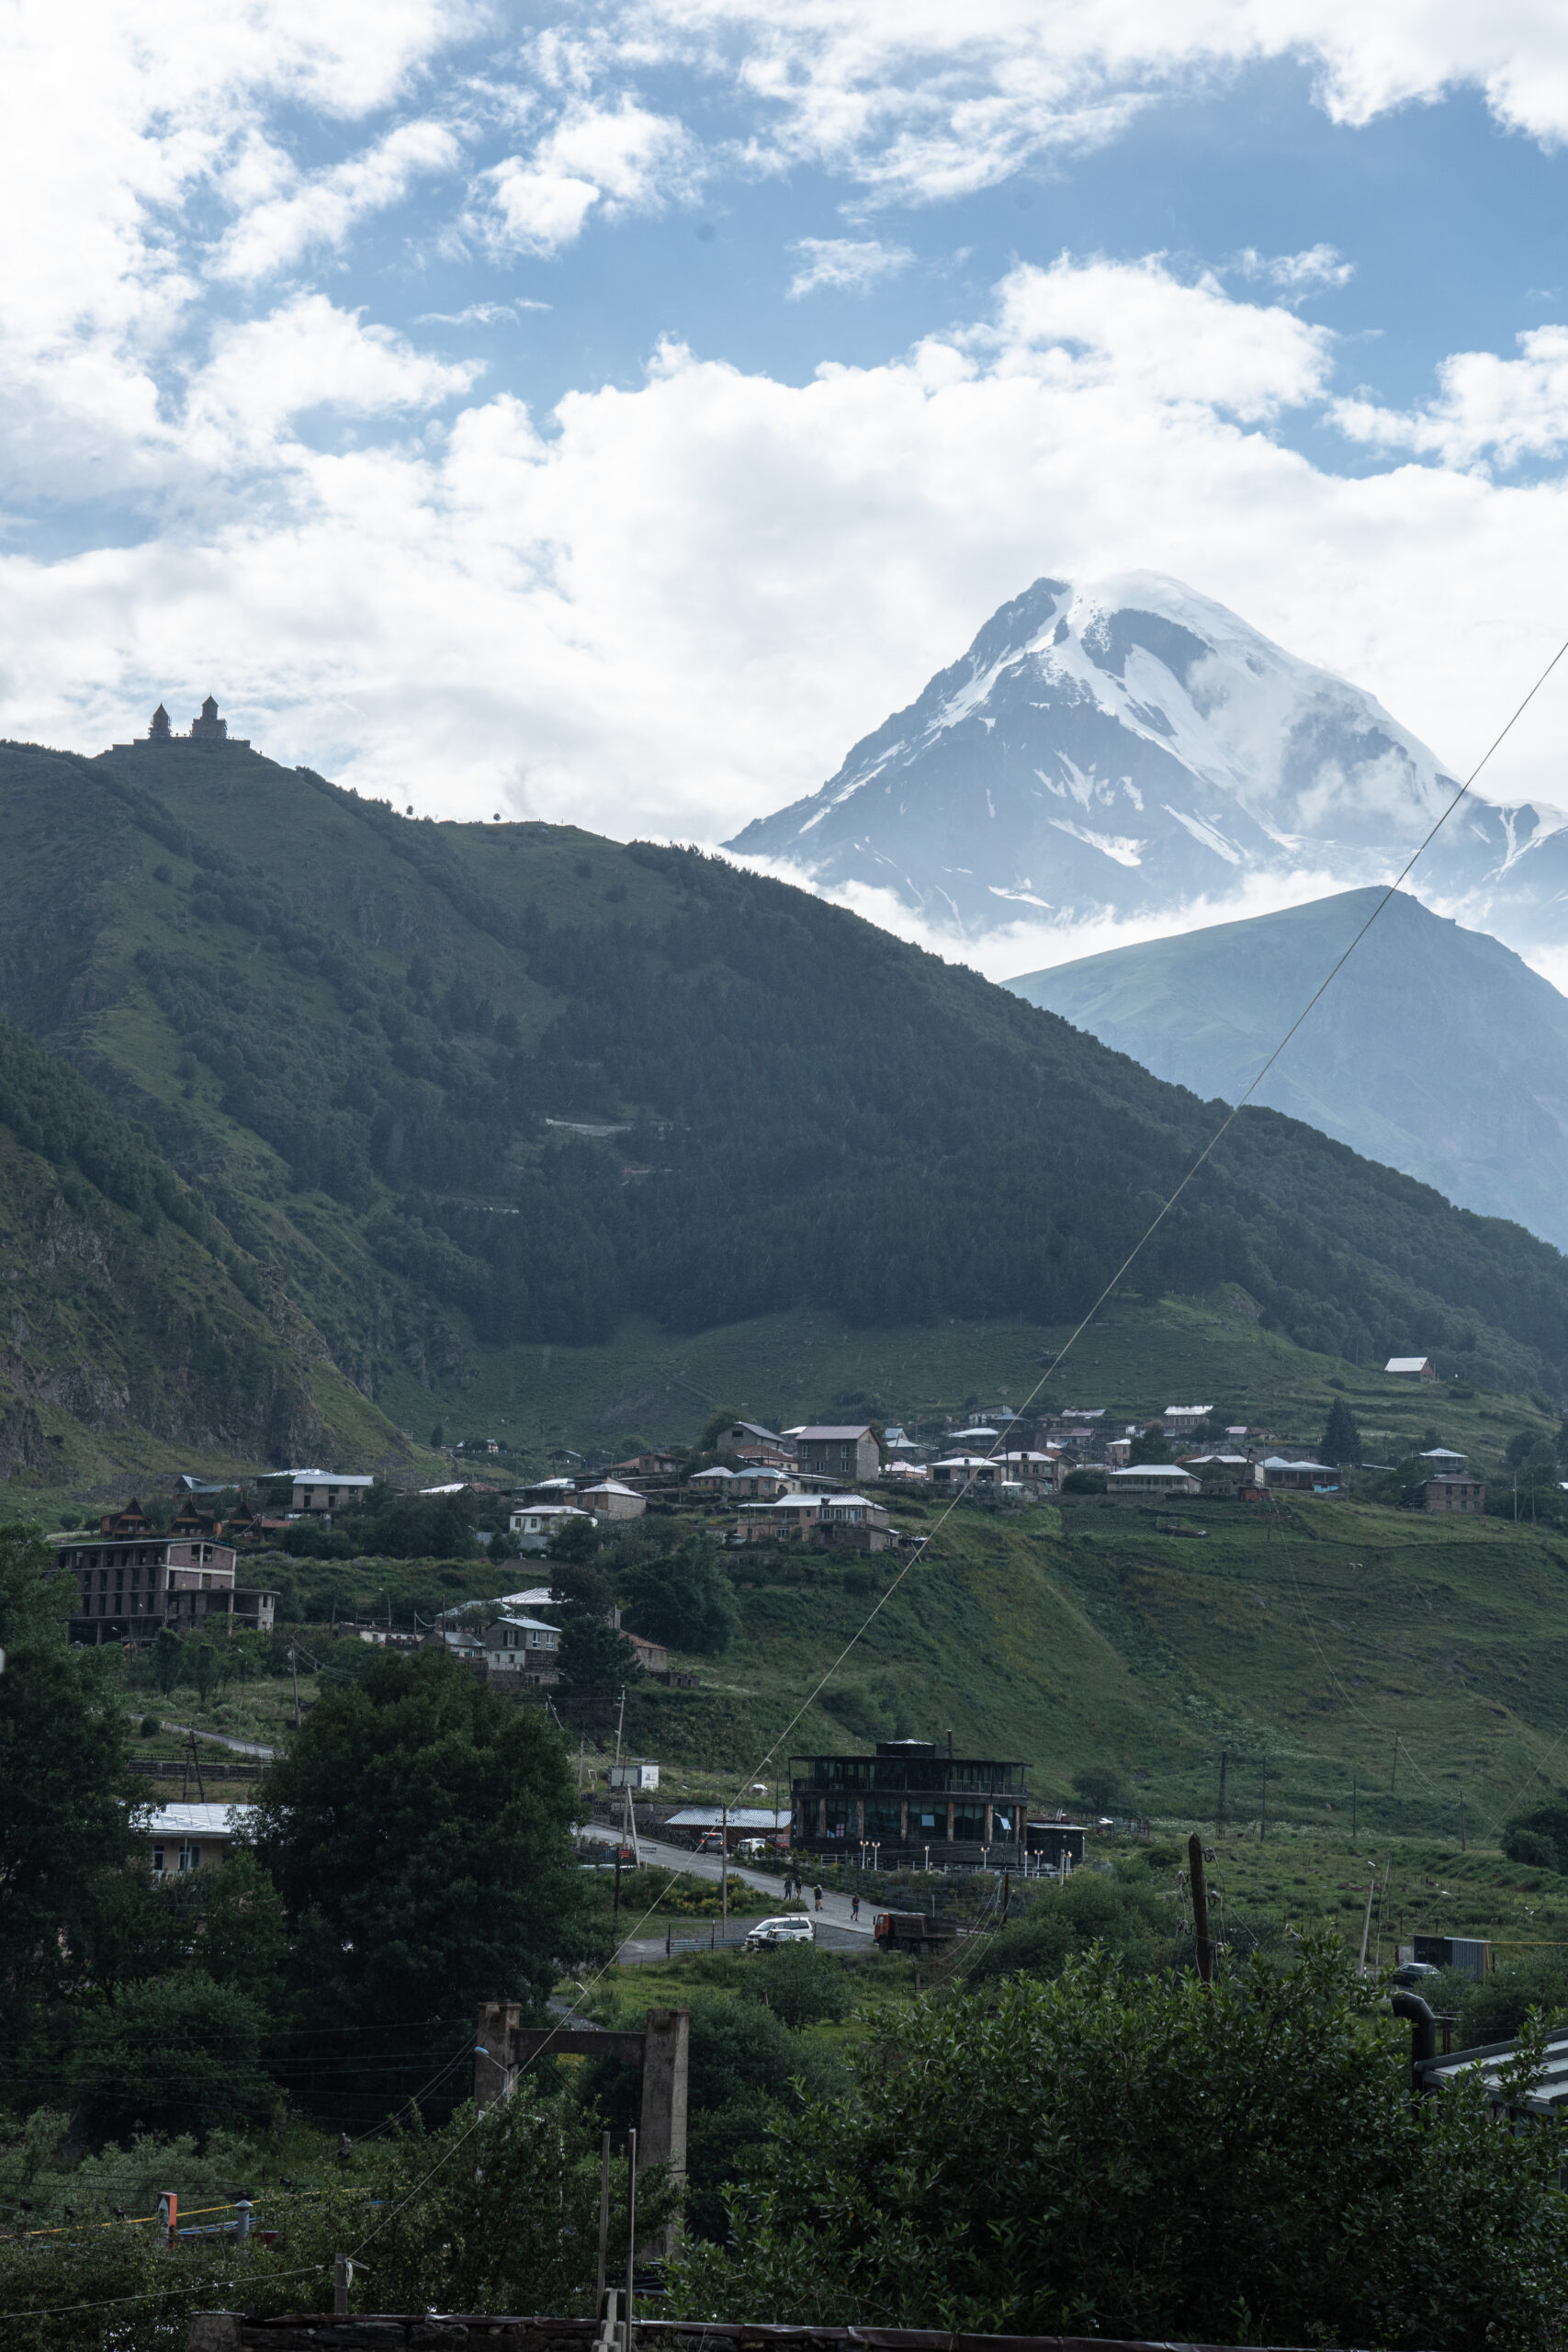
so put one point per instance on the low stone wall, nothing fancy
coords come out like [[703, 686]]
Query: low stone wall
[[227, 2332]]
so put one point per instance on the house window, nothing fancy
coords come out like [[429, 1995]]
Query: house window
[[158, 1859], [190, 1858]]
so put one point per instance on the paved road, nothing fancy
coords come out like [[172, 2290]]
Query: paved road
[[834, 1917], [239, 1747]]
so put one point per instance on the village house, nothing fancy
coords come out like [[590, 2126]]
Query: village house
[[130, 1586], [841, 1451], [1159, 1478], [750, 1441], [1448, 1485], [646, 1465], [1413, 1368], [914, 1800], [523, 1645], [607, 1498], [817, 1518], [1183, 1422], [533, 1527], [323, 1491], [182, 1837], [1301, 1477], [1225, 1474]]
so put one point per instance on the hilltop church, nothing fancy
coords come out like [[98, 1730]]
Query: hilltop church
[[208, 729]]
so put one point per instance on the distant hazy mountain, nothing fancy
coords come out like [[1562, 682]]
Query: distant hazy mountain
[[1127, 748], [1435, 1050]]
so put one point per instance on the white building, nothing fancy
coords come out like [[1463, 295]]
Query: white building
[[1413, 1367], [327, 1490], [534, 1524], [192, 1837], [1152, 1478]]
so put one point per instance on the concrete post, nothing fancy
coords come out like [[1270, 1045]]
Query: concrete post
[[498, 2021], [661, 2139]]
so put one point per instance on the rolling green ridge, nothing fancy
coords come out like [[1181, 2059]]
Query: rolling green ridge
[[135, 1331], [1437, 1049], [376, 1051]]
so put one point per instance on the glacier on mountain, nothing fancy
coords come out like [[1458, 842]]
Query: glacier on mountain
[[1129, 748]]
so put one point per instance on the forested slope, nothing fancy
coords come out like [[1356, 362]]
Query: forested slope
[[132, 1321], [351, 1034]]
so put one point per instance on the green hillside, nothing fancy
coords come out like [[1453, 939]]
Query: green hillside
[[1437, 1049], [136, 1335], [384, 1056]]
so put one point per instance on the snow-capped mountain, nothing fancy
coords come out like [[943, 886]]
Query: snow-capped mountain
[[1130, 748]]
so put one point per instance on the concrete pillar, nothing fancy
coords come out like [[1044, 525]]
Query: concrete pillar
[[493, 2062], [950, 1821], [989, 1820], [860, 1820], [661, 2130]]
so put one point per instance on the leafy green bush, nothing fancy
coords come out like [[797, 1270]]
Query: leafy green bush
[[800, 1984], [1540, 1837], [1149, 2157], [1124, 1920], [181, 2054]]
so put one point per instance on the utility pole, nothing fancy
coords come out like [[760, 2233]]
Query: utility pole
[[1201, 1908], [723, 1867], [1367, 1921], [620, 1719], [1224, 1761], [293, 1670]]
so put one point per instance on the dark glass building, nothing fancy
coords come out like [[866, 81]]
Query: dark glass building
[[914, 1800]]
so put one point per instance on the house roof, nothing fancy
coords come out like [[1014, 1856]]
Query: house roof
[[1408, 1363], [532, 1624], [1278, 1462], [1442, 1454], [739, 1816], [1152, 1470], [1194, 1412], [548, 1510], [609, 1487], [755, 1429], [200, 1820], [714, 1475], [841, 1430], [796, 1502]]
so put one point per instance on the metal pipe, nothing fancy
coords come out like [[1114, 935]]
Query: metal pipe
[[1423, 2033]]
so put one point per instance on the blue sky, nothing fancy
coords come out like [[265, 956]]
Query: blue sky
[[612, 411]]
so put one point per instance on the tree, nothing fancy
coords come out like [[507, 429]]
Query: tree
[[575, 1540], [682, 1597], [178, 2054], [595, 1657], [64, 1831], [419, 1833], [202, 1664], [1128, 1921], [1213, 2161], [1150, 1445], [800, 1984], [168, 1659], [1538, 1836], [1099, 1785], [1341, 1440]]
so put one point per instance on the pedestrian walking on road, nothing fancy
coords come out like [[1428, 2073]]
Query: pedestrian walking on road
[[817, 1893], [854, 1910]]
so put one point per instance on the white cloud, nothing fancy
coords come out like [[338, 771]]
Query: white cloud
[[322, 208], [920, 102], [306, 354], [480, 314], [844, 265], [621, 158], [1320, 266], [678, 606], [1508, 409]]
